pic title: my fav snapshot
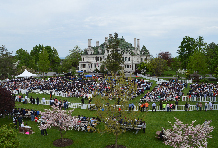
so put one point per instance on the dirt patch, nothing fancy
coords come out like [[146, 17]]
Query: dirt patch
[[66, 142], [113, 146]]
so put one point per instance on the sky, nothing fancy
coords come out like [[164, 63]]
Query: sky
[[160, 25]]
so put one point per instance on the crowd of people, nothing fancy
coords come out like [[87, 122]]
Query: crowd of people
[[203, 90], [72, 86], [165, 91]]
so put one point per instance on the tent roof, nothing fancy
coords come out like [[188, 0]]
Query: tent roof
[[26, 74]]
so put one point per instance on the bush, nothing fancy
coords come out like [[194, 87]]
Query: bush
[[204, 80], [8, 137]]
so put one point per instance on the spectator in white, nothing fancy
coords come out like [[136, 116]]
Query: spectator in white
[[22, 125], [43, 100], [205, 106], [211, 105], [153, 107]]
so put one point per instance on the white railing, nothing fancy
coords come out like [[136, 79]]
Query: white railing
[[199, 99]]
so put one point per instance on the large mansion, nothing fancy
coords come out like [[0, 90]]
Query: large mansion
[[93, 56]]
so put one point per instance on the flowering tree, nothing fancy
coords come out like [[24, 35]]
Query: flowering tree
[[60, 119], [184, 135]]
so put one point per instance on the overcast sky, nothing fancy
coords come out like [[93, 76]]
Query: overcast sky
[[159, 24]]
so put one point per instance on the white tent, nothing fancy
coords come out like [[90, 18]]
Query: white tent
[[26, 74]]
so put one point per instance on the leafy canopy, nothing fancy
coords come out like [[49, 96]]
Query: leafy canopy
[[114, 59]]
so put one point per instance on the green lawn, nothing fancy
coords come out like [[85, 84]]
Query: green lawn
[[154, 121]]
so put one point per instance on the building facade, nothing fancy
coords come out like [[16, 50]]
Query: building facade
[[93, 57]]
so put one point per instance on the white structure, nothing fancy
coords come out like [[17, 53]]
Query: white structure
[[93, 56], [26, 74]]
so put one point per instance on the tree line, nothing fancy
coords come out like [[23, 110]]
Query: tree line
[[194, 55], [40, 59]]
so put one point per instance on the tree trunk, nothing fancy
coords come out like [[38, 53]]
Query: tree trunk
[[116, 141], [62, 140]]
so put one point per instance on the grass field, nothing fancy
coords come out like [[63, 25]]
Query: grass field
[[154, 121]]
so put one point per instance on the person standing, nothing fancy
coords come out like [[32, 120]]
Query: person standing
[[144, 126], [33, 100], [142, 107], [20, 120], [200, 106], [66, 104], [168, 107], [164, 106], [82, 100], [161, 105], [205, 107], [37, 100], [197, 105], [146, 105], [32, 115], [211, 105], [153, 107], [139, 106], [176, 104], [186, 106]]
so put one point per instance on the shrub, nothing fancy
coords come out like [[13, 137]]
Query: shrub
[[8, 137]]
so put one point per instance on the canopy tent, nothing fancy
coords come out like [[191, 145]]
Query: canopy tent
[[26, 74]]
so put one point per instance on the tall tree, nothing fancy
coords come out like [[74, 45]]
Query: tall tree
[[115, 115], [72, 60], [211, 53], [144, 51], [114, 59], [198, 63], [24, 59], [142, 67], [167, 56], [7, 68], [44, 62], [53, 56], [157, 66], [186, 49], [34, 53], [175, 64]]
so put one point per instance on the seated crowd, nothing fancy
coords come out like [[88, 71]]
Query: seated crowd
[[69, 85], [203, 90]]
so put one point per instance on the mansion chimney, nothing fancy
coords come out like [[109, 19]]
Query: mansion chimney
[[89, 43], [97, 43], [138, 44], [135, 43], [106, 39]]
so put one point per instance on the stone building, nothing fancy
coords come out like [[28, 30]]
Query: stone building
[[133, 55]]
